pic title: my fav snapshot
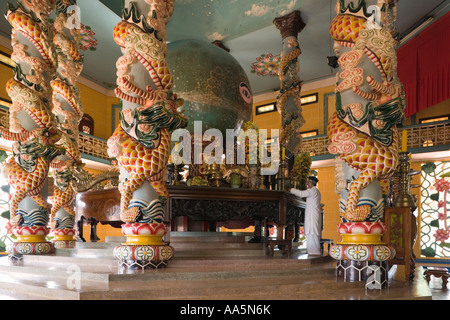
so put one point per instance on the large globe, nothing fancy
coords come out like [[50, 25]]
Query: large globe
[[214, 86]]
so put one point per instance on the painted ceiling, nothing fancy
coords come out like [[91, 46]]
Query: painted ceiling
[[245, 27]]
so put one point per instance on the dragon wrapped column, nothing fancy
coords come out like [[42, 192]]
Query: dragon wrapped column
[[288, 100], [32, 126], [141, 141], [363, 133], [68, 111]]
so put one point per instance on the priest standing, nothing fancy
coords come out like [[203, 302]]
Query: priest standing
[[313, 215]]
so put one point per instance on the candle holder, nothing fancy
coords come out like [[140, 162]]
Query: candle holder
[[261, 183], [176, 170], [215, 176], [405, 199], [281, 176]]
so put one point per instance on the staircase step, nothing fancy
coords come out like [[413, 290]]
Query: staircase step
[[205, 266], [255, 287], [191, 236], [49, 280], [188, 248]]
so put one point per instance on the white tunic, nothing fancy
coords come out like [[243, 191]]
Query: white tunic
[[313, 211]]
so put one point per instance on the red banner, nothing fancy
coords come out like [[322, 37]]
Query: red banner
[[424, 66]]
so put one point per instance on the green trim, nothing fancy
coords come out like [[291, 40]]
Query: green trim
[[435, 260], [113, 117], [442, 147], [323, 157], [325, 110], [429, 124]]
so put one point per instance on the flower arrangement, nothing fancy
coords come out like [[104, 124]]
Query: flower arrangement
[[251, 158], [300, 170], [197, 181]]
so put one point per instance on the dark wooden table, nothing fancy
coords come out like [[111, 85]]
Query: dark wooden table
[[223, 204], [199, 204]]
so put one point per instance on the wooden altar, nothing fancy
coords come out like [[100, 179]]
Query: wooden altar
[[223, 204], [207, 204]]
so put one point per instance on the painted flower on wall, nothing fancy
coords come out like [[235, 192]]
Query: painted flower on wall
[[442, 185], [87, 40], [266, 65]]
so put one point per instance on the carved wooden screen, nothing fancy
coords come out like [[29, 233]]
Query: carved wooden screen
[[400, 234]]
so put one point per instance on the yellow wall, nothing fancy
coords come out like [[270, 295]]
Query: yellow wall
[[99, 107], [312, 113], [330, 199], [437, 110], [6, 73]]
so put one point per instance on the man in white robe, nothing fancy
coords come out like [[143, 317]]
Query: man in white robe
[[313, 215]]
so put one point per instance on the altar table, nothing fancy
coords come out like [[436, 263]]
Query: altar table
[[200, 204]]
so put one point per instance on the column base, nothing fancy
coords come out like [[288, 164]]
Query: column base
[[144, 248], [30, 240], [64, 238], [64, 244], [135, 257], [362, 252], [374, 273], [27, 248]]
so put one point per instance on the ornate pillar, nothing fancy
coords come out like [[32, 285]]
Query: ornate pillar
[[288, 100], [68, 110], [363, 133], [32, 124], [141, 142]]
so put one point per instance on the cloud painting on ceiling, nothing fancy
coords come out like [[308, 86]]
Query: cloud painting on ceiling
[[224, 19]]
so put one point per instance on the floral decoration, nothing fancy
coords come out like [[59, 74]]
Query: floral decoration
[[266, 65]]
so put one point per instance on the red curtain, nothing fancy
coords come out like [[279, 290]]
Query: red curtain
[[424, 66]]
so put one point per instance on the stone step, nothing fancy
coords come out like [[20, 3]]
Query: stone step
[[227, 270], [217, 236], [190, 237], [183, 248], [254, 287], [47, 277], [185, 252], [179, 282], [102, 269], [183, 245]]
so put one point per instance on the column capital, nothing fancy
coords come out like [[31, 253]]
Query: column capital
[[290, 24]]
